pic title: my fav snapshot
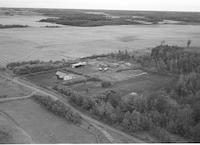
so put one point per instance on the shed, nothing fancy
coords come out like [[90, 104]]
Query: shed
[[79, 64]]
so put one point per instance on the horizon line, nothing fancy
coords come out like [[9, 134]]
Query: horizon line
[[189, 11]]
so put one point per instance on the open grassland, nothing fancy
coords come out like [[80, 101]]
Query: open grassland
[[145, 84], [73, 42], [43, 126], [10, 132], [9, 89]]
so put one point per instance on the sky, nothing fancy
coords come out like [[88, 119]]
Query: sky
[[156, 5]]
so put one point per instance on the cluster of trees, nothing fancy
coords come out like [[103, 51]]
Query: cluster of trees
[[122, 55], [153, 17], [141, 59], [175, 59], [156, 113], [12, 26], [187, 92], [106, 84], [89, 21], [12, 65], [27, 67], [58, 108], [3, 96]]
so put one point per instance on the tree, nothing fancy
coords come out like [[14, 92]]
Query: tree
[[135, 121], [188, 43], [182, 122], [126, 120], [162, 42], [195, 133], [105, 84], [196, 110]]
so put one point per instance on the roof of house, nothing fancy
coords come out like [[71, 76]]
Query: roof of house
[[79, 64]]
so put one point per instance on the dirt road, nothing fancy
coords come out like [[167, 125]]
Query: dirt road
[[16, 98]]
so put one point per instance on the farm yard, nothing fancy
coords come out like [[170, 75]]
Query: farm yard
[[124, 78]]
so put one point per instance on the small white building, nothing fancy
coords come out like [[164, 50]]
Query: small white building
[[133, 94], [79, 64], [64, 76]]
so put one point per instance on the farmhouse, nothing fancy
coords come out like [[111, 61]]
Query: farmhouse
[[79, 64], [64, 76]]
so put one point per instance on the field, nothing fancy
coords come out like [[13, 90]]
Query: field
[[10, 89], [66, 42], [12, 132], [72, 42], [145, 84], [43, 126]]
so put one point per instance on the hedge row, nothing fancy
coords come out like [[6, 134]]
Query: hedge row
[[58, 108]]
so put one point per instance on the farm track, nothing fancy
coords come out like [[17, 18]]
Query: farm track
[[97, 124], [16, 98]]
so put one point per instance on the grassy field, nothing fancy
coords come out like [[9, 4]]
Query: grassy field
[[43, 126], [11, 132], [9, 89], [145, 84], [73, 42], [41, 42]]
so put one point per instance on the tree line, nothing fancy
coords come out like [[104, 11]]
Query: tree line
[[27, 67], [58, 108]]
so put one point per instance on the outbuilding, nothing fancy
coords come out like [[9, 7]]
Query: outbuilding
[[64, 76], [79, 64]]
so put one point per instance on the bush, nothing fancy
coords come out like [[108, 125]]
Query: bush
[[12, 26], [105, 84], [195, 133], [161, 134]]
